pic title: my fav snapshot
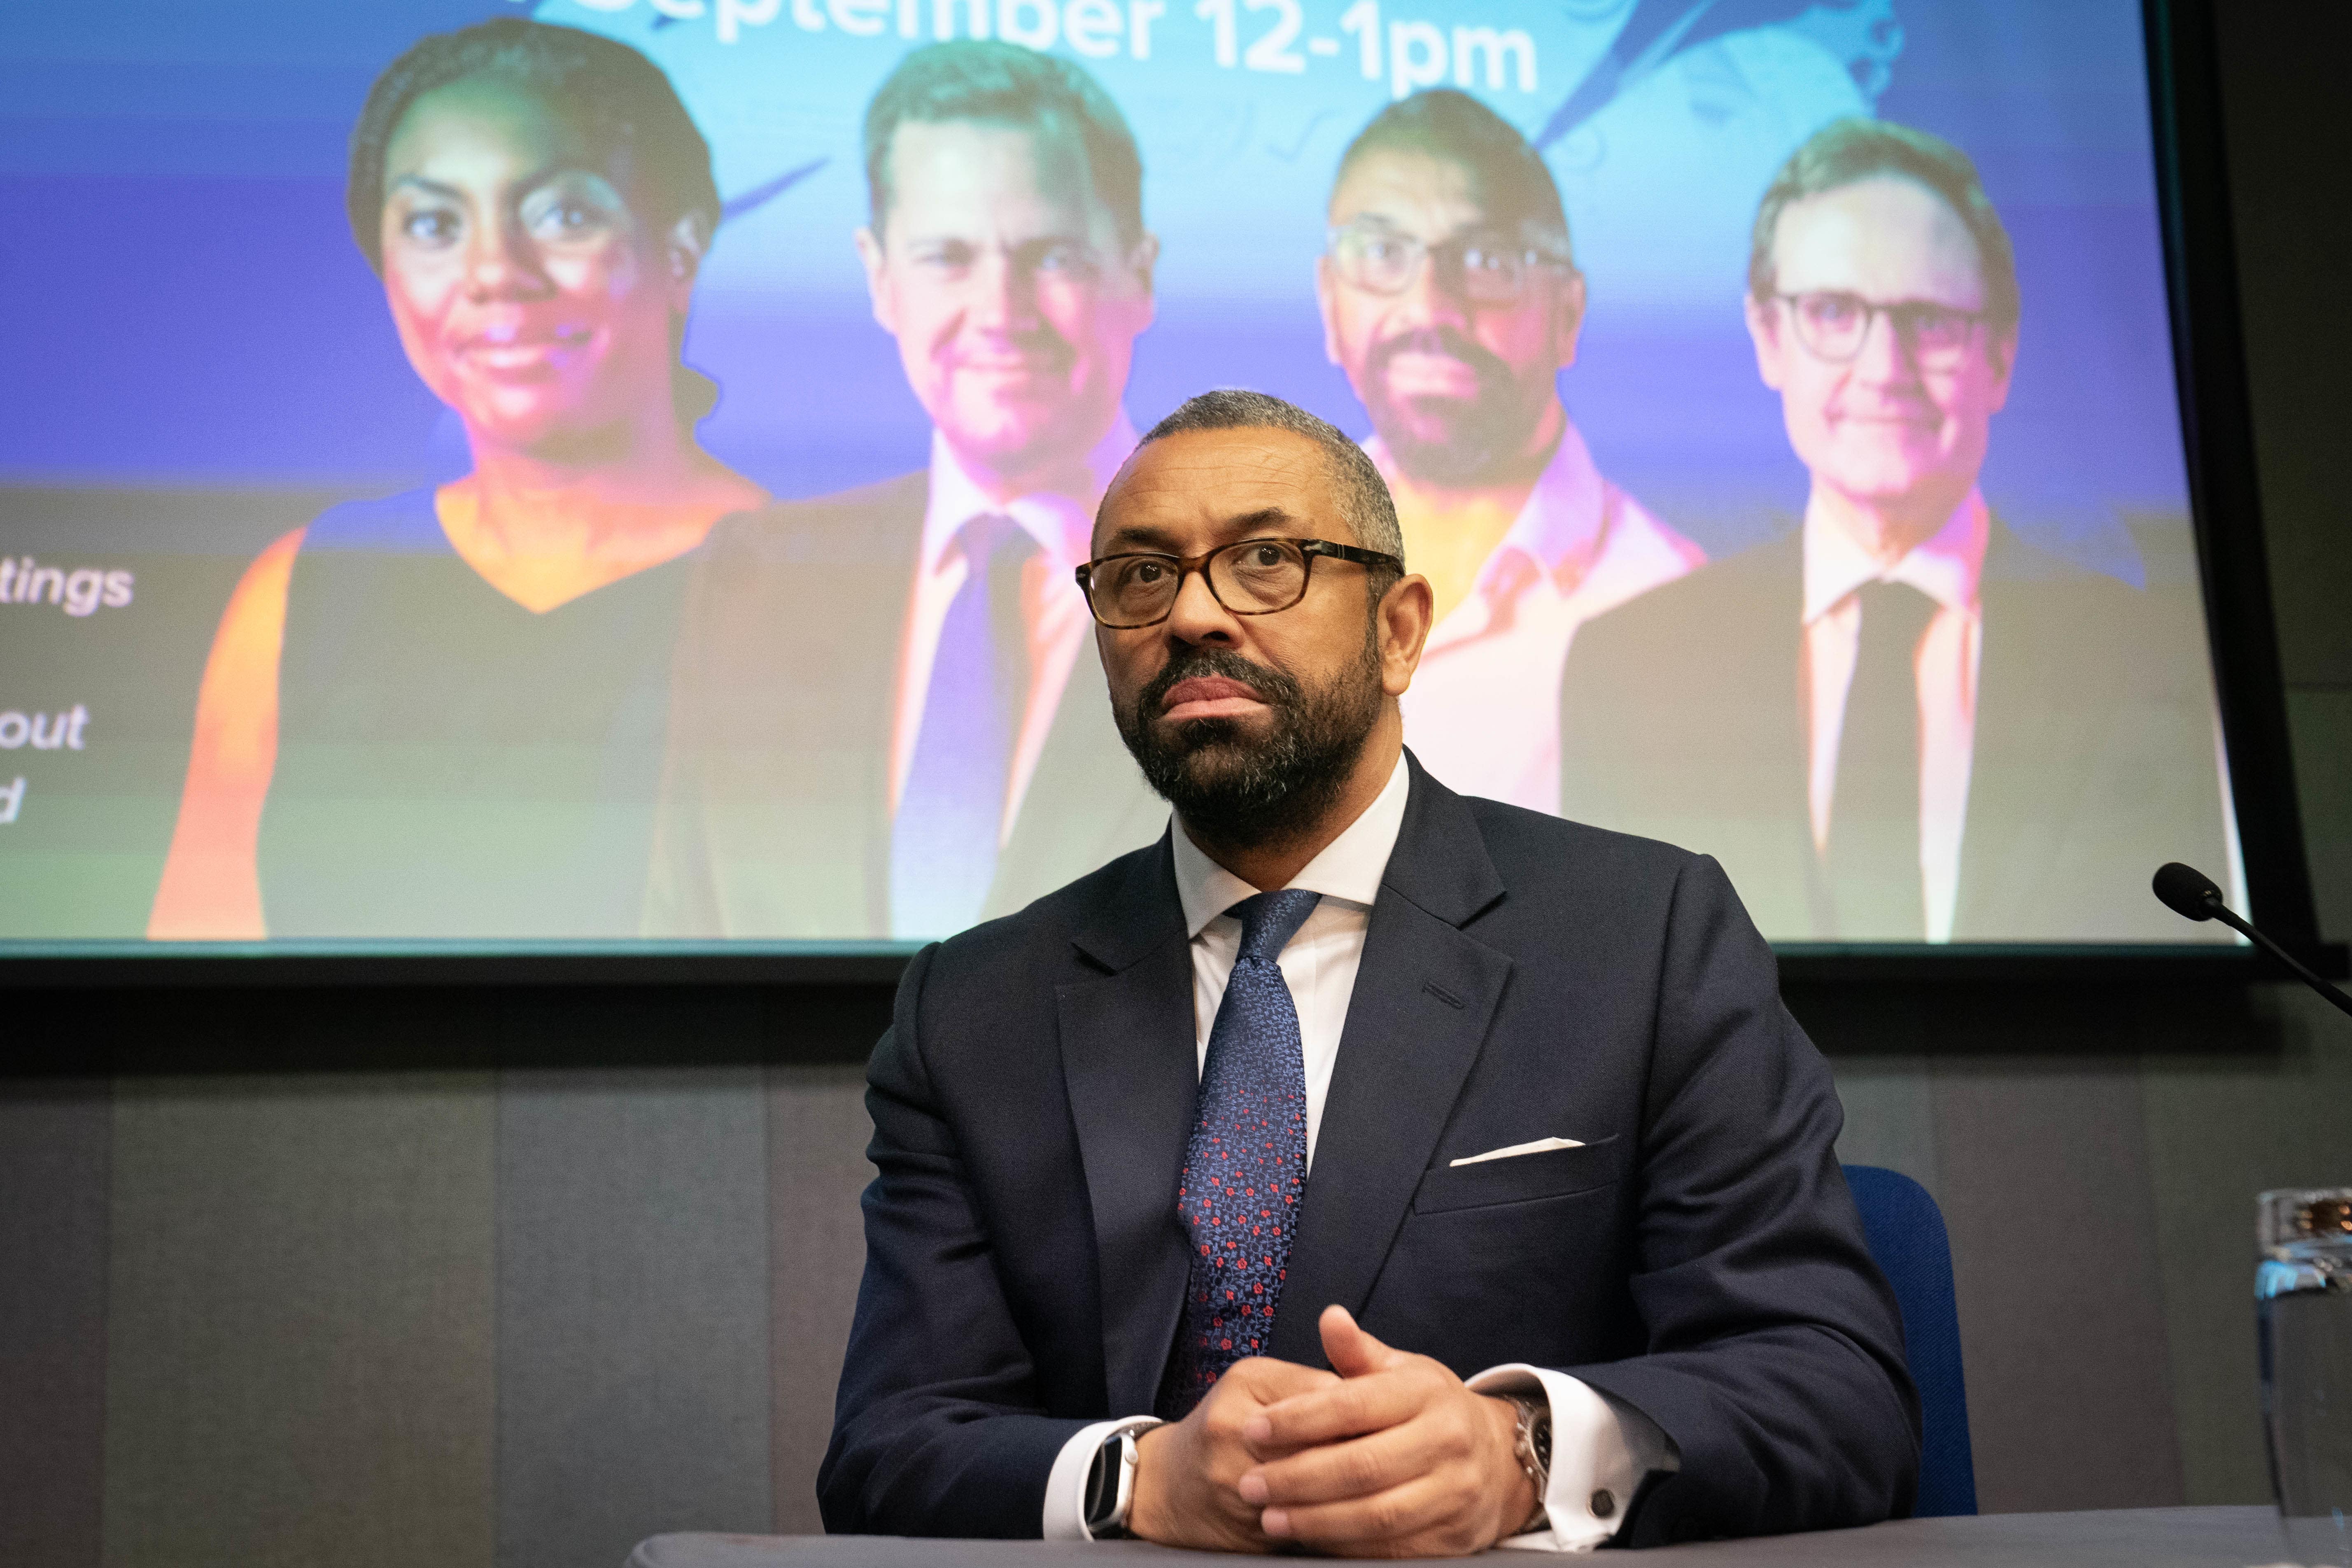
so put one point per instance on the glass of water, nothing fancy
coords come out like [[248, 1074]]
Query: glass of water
[[2303, 1291]]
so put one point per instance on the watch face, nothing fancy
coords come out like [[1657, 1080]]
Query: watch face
[[1102, 1486], [1106, 1480]]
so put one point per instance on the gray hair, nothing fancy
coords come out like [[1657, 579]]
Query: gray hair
[[1364, 502], [1848, 152]]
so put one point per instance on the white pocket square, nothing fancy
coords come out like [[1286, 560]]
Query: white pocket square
[[1540, 1146]]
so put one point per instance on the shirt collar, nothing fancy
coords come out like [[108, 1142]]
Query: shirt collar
[[1560, 525], [1947, 566], [1350, 868], [1062, 525]]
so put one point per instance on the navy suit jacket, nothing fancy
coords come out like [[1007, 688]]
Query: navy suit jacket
[[773, 817], [1699, 1258]]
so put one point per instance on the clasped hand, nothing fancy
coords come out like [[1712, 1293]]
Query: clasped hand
[[1387, 1455]]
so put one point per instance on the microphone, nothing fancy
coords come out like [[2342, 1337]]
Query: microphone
[[2191, 894]]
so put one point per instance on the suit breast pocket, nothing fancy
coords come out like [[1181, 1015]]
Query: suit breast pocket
[[1520, 1178]]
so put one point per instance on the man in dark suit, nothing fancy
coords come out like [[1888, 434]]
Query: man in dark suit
[[887, 719], [1901, 721], [1205, 1183]]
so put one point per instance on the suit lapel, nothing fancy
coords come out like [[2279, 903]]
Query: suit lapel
[[2031, 765], [1992, 809], [1426, 994], [1128, 1062], [1086, 803], [1735, 758]]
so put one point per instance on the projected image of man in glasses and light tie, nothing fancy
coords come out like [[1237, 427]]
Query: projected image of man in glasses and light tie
[[1451, 298], [1900, 721]]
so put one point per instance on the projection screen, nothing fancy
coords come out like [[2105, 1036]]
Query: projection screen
[[616, 468]]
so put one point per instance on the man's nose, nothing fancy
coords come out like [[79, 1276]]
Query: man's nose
[[1432, 298], [1884, 357], [1003, 295], [1198, 618]]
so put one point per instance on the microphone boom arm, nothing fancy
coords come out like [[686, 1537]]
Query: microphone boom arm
[[2228, 917], [2191, 894]]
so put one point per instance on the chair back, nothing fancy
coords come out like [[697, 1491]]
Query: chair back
[[1905, 1231]]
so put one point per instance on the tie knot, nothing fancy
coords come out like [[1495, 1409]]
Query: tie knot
[[1270, 919], [1894, 612], [990, 536]]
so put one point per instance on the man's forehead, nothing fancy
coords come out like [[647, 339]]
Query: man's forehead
[[1198, 482], [1424, 194], [1887, 238], [950, 168]]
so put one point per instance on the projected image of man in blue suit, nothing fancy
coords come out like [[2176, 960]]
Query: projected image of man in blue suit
[[888, 720], [1360, 1166]]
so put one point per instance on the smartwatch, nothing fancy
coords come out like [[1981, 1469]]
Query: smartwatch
[[1110, 1486]]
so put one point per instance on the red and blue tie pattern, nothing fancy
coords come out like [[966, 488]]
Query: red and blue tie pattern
[[1246, 1163]]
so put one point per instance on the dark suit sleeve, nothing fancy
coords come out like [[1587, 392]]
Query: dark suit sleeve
[[1775, 1349], [937, 1428]]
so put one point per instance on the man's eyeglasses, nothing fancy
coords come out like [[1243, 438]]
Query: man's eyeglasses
[[1833, 325], [1486, 271], [1248, 577]]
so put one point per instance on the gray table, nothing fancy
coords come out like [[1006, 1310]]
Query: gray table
[[2137, 1538]]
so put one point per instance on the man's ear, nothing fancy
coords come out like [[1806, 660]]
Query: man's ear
[[1402, 620], [2002, 352], [1568, 319], [684, 246], [1142, 258], [876, 262], [1324, 286], [1764, 332]]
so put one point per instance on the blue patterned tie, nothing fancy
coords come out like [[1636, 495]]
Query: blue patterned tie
[[943, 842], [1245, 1163]]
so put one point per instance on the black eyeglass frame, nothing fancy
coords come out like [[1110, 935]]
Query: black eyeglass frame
[[1187, 564], [1894, 310]]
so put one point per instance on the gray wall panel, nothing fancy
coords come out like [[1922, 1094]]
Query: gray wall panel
[[1890, 1116], [298, 1366], [818, 1130], [2044, 1182], [54, 1155], [633, 1310]]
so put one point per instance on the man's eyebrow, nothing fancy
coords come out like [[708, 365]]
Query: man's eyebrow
[[1027, 242], [1144, 536], [1264, 517], [431, 187]]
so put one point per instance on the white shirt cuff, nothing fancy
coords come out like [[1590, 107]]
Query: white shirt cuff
[[1601, 1450], [1065, 1485]]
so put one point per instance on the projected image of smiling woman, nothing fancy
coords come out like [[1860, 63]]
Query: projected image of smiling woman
[[440, 714]]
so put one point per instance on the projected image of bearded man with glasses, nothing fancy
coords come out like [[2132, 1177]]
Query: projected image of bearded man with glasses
[[1451, 298], [1900, 721]]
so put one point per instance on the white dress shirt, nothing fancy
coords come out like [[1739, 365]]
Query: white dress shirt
[[1598, 1443], [1053, 608], [1949, 568], [1482, 713]]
